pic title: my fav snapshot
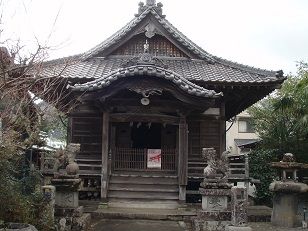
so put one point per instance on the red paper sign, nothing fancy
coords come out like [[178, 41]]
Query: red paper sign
[[154, 158]]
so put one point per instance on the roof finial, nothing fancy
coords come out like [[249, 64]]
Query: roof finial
[[151, 2]]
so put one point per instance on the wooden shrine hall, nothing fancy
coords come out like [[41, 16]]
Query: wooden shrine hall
[[149, 99]]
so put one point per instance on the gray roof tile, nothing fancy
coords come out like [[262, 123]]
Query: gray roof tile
[[146, 70], [207, 68], [193, 70]]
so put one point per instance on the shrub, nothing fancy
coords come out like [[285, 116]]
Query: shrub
[[260, 168]]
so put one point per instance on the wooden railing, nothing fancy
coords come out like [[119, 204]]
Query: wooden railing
[[136, 159]]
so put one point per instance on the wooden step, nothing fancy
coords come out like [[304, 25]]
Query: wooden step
[[90, 165], [196, 168], [83, 172], [89, 157], [143, 180], [143, 195], [143, 188], [88, 160], [197, 163]]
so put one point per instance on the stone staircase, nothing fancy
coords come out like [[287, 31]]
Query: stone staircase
[[143, 191]]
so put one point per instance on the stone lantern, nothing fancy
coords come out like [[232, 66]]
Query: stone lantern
[[288, 193]]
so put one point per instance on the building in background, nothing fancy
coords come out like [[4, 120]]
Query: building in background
[[241, 136]]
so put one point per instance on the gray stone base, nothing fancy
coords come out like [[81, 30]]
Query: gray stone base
[[81, 223], [20, 227], [69, 212], [285, 207], [201, 225], [237, 228]]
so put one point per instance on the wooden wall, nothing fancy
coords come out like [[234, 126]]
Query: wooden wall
[[205, 133], [86, 128]]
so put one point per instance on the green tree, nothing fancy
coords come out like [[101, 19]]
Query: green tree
[[281, 120]]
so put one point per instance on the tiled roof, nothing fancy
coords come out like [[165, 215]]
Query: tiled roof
[[146, 70], [192, 70], [205, 68]]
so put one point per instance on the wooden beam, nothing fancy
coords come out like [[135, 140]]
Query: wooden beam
[[183, 159], [137, 117], [105, 149]]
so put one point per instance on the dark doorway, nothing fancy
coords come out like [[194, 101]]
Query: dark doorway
[[146, 135]]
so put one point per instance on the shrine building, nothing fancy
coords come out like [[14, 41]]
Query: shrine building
[[148, 100]]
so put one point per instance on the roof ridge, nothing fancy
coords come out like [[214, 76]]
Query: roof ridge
[[75, 57], [117, 35], [248, 68], [180, 36]]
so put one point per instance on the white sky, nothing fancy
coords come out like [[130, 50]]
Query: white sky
[[270, 34]]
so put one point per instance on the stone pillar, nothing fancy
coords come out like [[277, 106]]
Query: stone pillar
[[50, 197], [238, 210]]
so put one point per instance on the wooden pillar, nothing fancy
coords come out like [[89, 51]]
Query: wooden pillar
[[69, 130], [105, 149], [183, 159], [222, 128]]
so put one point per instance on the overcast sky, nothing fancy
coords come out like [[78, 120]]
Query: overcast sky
[[270, 34]]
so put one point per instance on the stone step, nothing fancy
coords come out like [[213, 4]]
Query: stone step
[[143, 204], [174, 212], [143, 195]]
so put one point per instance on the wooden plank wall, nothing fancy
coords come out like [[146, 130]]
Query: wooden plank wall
[[202, 134], [86, 129]]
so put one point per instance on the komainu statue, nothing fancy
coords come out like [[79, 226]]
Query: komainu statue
[[217, 166], [65, 158]]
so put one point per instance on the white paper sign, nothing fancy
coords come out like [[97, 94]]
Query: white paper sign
[[154, 158]]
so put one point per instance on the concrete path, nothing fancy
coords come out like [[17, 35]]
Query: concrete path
[[266, 226], [137, 225], [159, 225]]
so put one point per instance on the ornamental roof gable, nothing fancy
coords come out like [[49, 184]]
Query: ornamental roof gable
[[150, 23]]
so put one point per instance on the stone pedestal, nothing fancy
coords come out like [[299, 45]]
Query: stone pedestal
[[284, 210], [286, 203], [67, 209], [238, 209], [215, 213]]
